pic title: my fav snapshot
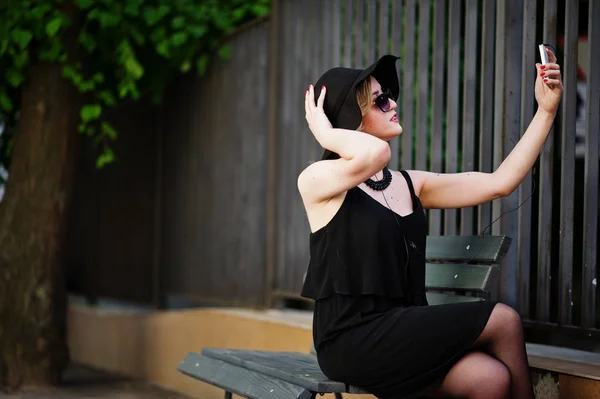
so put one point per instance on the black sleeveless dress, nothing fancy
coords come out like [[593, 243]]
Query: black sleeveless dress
[[372, 325]]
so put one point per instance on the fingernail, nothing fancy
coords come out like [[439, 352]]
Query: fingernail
[[543, 67], [545, 79], [322, 87], [542, 74]]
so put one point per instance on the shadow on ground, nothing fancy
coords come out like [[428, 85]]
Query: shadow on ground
[[84, 383]]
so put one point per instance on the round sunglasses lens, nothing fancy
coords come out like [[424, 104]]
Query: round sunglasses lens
[[383, 102]]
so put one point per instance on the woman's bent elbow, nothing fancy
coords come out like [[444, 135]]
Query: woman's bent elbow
[[504, 191], [380, 154]]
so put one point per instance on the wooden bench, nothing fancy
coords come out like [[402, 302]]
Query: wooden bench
[[459, 269]]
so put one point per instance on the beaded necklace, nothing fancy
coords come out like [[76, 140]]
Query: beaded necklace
[[382, 184]]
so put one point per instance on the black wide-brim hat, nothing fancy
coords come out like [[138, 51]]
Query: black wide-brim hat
[[340, 104]]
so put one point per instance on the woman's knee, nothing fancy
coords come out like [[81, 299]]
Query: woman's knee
[[492, 381], [477, 376], [503, 322]]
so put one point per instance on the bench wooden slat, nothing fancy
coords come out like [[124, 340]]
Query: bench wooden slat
[[238, 380], [294, 367], [475, 249], [454, 276], [437, 298]]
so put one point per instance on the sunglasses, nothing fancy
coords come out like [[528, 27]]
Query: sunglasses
[[383, 101]]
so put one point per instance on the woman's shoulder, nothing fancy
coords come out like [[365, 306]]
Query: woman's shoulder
[[417, 177]]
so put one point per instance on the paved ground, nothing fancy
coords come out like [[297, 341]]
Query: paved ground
[[83, 383]]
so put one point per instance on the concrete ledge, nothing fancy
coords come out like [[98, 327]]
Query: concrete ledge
[[567, 361], [149, 345]]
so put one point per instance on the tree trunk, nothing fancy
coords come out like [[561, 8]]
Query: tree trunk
[[33, 350]]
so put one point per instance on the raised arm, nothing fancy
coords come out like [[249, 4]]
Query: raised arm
[[361, 155], [458, 190]]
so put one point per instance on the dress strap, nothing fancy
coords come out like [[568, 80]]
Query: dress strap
[[409, 182]]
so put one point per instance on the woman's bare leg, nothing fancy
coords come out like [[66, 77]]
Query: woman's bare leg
[[504, 339], [476, 376]]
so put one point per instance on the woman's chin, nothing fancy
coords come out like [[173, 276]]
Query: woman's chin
[[397, 131]]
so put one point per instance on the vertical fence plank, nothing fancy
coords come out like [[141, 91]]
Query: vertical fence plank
[[214, 255], [507, 127], [500, 72], [527, 107], [422, 125], [295, 151], [453, 103], [408, 70], [322, 39], [308, 149], [371, 38], [395, 45], [285, 140], [252, 213], [469, 98], [347, 33], [591, 200], [546, 167], [437, 104], [383, 25], [335, 39], [275, 69], [486, 108], [158, 285], [358, 28], [567, 169]]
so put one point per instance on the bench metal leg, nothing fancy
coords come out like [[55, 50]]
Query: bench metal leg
[[228, 395], [338, 395]]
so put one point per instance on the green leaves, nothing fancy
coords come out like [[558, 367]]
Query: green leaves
[[107, 19], [128, 59], [178, 22], [109, 131], [107, 98], [197, 31], [90, 112], [134, 68], [72, 74], [126, 48], [261, 9], [53, 51], [107, 156], [21, 37], [202, 64], [225, 52], [87, 41], [53, 26], [84, 4], [14, 77], [153, 15], [6, 104], [179, 38], [75, 76]]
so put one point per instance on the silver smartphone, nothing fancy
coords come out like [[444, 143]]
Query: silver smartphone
[[543, 54]]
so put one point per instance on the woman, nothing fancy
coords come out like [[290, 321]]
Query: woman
[[372, 325]]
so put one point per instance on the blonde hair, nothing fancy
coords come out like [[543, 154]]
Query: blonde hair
[[363, 98]]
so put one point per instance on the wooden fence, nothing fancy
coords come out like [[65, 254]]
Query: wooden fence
[[229, 226], [467, 76]]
